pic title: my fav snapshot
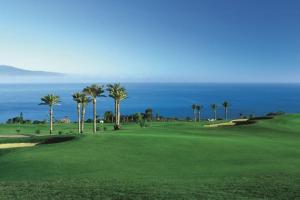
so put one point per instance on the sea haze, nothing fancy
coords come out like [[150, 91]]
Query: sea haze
[[167, 99]]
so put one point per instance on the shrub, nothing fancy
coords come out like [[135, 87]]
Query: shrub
[[104, 128], [97, 128], [261, 118], [116, 127], [248, 122], [251, 116], [27, 121], [89, 121], [60, 132], [142, 123], [39, 122], [275, 113], [18, 130], [147, 124], [38, 131]]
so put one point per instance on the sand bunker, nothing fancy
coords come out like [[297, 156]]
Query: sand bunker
[[50, 140], [16, 145], [230, 123], [13, 136], [239, 120]]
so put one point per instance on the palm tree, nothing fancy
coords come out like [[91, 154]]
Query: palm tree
[[214, 109], [194, 107], [149, 114], [94, 91], [118, 93], [199, 108], [84, 100], [225, 105], [108, 116], [76, 97], [50, 100]]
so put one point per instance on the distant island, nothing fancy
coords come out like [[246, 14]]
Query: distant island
[[6, 70], [11, 74]]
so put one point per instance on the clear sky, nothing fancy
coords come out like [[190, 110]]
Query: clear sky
[[155, 40]]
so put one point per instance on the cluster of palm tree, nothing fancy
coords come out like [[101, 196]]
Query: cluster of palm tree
[[89, 94], [82, 101], [118, 93], [198, 108], [197, 111]]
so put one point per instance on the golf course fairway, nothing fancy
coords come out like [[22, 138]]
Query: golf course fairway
[[168, 160]]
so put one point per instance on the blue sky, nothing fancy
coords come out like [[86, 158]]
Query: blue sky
[[155, 40]]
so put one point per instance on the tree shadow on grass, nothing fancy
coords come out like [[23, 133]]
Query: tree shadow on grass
[[57, 139]]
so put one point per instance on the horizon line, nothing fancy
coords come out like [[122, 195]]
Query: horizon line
[[147, 82]]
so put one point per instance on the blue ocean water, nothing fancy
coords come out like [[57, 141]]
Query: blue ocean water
[[167, 99]]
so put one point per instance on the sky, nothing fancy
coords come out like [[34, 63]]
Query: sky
[[154, 40]]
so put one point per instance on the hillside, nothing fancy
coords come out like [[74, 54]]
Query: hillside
[[6, 70]]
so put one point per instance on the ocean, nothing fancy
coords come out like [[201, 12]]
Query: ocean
[[166, 99]]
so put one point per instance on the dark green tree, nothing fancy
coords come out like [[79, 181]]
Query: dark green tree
[[214, 108], [108, 116], [149, 114], [194, 106]]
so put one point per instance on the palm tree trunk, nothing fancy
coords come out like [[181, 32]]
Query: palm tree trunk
[[118, 110], [78, 115], [199, 117], [215, 114], [51, 119], [116, 114], [95, 116], [195, 118], [82, 118], [226, 112]]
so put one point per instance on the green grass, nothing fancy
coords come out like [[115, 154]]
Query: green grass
[[169, 160], [44, 128]]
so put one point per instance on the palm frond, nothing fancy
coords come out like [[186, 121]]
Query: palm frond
[[50, 100], [94, 90], [117, 92], [225, 104], [213, 106]]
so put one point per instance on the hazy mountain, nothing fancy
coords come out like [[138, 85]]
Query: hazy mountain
[[14, 71]]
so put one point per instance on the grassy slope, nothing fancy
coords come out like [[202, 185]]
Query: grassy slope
[[167, 160]]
